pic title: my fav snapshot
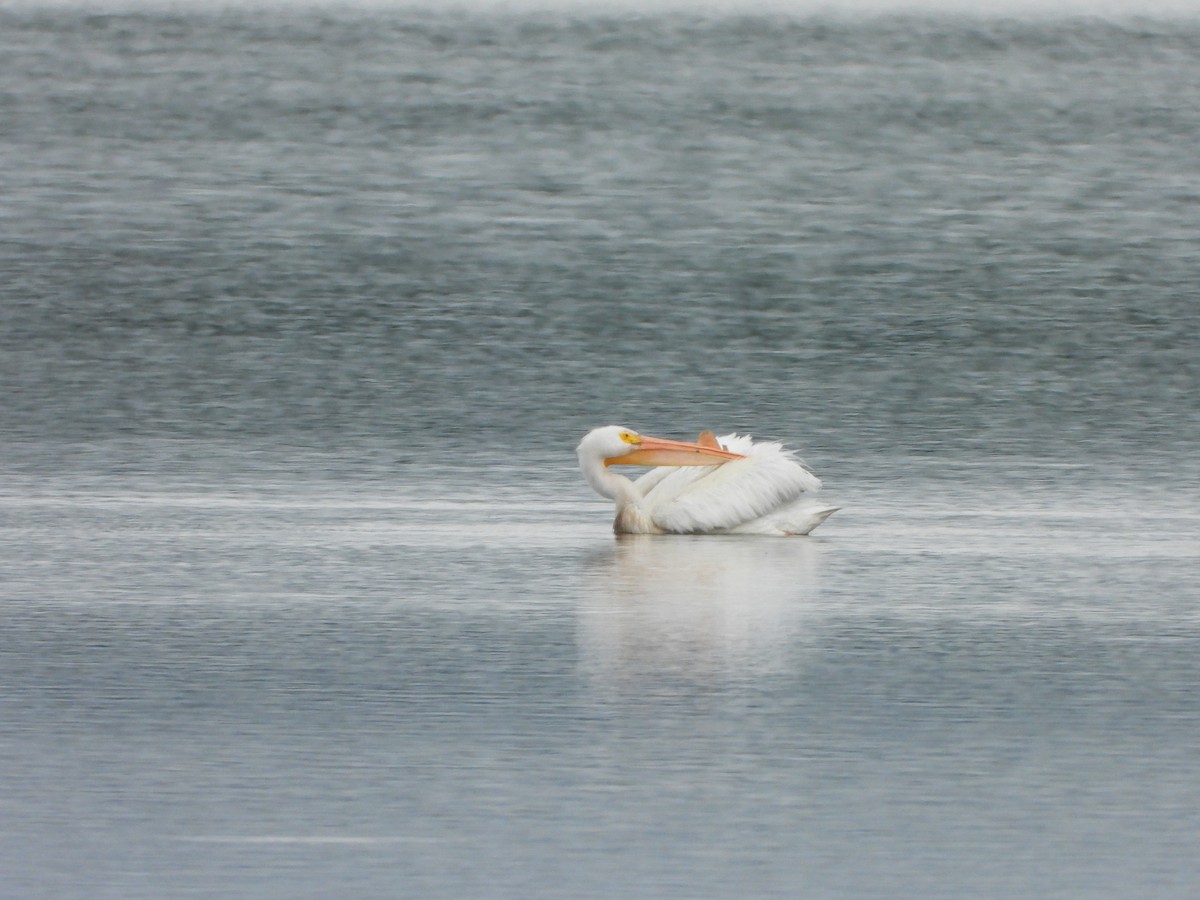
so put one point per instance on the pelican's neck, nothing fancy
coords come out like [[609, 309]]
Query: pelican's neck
[[606, 482], [631, 517]]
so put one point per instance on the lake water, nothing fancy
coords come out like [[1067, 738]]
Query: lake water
[[303, 313]]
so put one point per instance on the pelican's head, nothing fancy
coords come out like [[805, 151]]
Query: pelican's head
[[608, 443], [617, 445]]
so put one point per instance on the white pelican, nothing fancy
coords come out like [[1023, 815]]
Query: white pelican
[[734, 485]]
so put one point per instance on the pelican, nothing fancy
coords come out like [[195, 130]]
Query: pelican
[[732, 484]]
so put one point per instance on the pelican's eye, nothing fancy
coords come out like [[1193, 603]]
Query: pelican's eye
[[630, 438]]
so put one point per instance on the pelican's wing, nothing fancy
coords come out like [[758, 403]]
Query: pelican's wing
[[717, 498], [653, 477]]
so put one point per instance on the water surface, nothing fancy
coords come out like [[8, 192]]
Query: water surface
[[303, 313]]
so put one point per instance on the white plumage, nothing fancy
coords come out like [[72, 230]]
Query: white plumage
[[730, 485]]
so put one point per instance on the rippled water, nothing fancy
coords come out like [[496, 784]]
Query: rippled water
[[303, 313]]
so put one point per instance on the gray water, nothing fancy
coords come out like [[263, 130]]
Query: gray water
[[302, 314]]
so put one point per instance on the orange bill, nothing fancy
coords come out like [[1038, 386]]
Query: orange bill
[[662, 452]]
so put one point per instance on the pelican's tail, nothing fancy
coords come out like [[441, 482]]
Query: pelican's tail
[[809, 518], [799, 518]]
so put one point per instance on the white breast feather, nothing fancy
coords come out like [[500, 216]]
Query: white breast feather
[[718, 498]]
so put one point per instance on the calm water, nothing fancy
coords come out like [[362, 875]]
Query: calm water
[[302, 314]]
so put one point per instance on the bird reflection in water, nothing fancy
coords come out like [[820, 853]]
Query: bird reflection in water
[[696, 609]]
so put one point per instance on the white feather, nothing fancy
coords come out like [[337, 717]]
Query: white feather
[[800, 518], [731, 496]]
